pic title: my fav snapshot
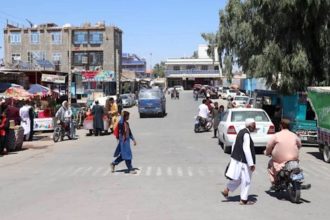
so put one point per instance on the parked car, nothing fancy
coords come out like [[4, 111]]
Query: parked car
[[127, 100], [229, 93], [179, 88], [234, 120], [151, 101], [240, 101]]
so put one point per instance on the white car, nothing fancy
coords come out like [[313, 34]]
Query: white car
[[240, 101], [179, 88], [229, 93], [234, 120]]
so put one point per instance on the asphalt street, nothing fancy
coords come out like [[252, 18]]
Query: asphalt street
[[180, 176]]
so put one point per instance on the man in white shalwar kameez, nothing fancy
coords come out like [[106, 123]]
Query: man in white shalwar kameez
[[242, 163], [25, 119]]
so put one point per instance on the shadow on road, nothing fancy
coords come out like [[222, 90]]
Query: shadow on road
[[284, 197], [317, 155], [237, 198]]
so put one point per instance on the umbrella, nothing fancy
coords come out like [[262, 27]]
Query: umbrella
[[17, 93], [37, 89], [5, 85]]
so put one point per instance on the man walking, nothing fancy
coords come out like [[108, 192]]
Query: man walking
[[98, 113], [123, 150], [242, 163]]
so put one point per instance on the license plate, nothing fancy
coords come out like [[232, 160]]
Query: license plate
[[299, 176], [303, 138]]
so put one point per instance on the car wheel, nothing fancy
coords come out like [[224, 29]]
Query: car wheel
[[326, 154], [141, 115]]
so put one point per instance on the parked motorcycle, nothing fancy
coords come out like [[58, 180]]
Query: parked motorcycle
[[64, 129], [202, 124], [290, 180]]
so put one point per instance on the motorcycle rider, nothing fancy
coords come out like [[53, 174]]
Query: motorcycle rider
[[203, 112], [64, 114], [282, 147]]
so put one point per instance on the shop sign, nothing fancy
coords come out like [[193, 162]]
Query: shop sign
[[43, 124], [98, 76], [53, 78]]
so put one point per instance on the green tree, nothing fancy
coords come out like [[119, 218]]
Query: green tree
[[285, 41], [159, 70]]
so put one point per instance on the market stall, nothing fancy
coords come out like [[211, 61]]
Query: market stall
[[45, 107], [15, 133]]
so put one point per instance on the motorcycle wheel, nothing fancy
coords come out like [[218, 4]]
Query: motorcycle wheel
[[294, 192], [57, 134], [208, 126]]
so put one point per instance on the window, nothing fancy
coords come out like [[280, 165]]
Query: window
[[176, 67], [56, 37], [96, 58], [15, 38], [95, 37], [190, 67], [57, 56], [80, 58], [80, 37], [34, 37], [204, 67], [36, 55], [240, 116], [15, 57], [216, 67]]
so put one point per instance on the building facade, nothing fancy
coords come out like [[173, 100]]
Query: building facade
[[134, 63], [189, 71], [88, 50]]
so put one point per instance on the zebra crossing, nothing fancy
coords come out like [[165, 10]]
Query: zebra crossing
[[148, 171], [169, 171]]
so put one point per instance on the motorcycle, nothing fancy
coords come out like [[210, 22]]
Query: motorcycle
[[202, 124], [63, 129], [290, 180]]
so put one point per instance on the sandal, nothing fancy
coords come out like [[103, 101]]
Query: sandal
[[246, 202]]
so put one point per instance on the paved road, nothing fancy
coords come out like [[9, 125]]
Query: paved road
[[180, 176]]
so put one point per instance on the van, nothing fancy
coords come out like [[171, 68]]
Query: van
[[151, 102]]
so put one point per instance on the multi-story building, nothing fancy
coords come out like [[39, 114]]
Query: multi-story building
[[194, 70], [88, 50], [134, 63]]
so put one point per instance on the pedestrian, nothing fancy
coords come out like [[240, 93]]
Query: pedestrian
[[98, 113], [25, 114], [31, 116], [4, 126], [216, 115], [242, 163], [113, 113], [123, 150], [230, 103]]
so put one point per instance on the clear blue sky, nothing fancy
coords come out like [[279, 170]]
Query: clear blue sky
[[165, 28]]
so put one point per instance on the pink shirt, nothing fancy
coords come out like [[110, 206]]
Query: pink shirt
[[283, 146]]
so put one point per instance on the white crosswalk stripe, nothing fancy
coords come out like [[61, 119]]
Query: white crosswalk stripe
[[190, 172], [179, 171], [170, 171], [159, 171], [148, 172]]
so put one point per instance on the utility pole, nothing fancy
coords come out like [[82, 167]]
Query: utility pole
[[117, 73], [70, 71]]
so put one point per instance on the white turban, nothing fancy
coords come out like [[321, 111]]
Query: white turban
[[249, 121]]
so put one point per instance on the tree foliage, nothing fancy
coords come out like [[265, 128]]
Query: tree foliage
[[285, 41], [159, 70]]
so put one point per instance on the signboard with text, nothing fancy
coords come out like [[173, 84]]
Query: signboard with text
[[53, 78]]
